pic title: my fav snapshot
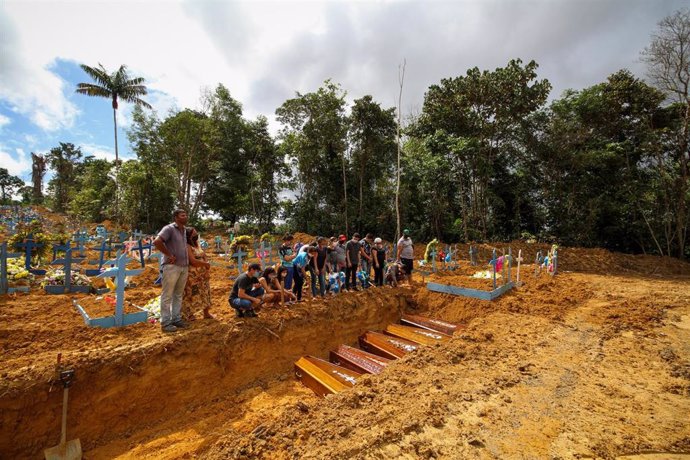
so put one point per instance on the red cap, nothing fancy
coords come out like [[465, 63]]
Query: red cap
[[342, 238]]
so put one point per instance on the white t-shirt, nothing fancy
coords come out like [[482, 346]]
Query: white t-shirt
[[407, 251]]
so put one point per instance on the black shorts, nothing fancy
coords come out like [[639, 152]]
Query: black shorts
[[408, 264]]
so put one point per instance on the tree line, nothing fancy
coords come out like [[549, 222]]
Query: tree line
[[487, 158]]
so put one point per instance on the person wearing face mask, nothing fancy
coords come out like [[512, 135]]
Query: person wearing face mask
[[271, 286], [378, 255], [197, 290], [406, 253], [247, 293]]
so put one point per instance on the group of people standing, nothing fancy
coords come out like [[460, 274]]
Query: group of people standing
[[334, 265]]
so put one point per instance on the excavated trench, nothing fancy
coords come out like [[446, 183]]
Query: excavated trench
[[147, 383]]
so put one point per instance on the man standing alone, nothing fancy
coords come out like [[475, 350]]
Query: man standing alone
[[172, 242]]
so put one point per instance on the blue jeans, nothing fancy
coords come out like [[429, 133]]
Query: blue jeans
[[174, 280], [244, 304], [288, 278], [322, 283]]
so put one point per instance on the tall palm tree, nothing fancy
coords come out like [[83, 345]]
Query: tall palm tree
[[118, 85]]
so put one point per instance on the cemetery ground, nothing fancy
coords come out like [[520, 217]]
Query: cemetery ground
[[594, 362]]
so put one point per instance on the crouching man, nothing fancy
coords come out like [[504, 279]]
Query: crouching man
[[247, 293], [395, 274]]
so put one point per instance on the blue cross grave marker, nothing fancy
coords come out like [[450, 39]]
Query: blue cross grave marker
[[29, 245], [66, 263], [105, 247], [81, 238], [140, 247], [4, 283], [239, 254], [493, 263], [120, 273]]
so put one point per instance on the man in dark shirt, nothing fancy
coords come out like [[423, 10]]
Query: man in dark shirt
[[318, 264], [246, 292], [351, 261]]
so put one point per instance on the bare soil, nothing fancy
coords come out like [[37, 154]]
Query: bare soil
[[592, 363]]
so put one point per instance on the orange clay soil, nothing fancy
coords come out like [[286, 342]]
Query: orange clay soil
[[592, 363]]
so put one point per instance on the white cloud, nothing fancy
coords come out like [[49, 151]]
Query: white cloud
[[27, 85], [98, 151], [18, 164], [4, 121], [265, 51]]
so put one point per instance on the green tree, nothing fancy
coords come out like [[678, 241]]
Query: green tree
[[228, 188], [148, 196], [9, 185], [314, 139], [593, 161], [148, 185], [477, 120], [185, 150], [26, 193], [267, 172], [63, 160], [372, 132], [95, 190]]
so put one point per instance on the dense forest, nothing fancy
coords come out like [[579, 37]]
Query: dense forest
[[488, 157]]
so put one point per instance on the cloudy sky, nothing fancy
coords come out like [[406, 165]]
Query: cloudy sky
[[264, 51]]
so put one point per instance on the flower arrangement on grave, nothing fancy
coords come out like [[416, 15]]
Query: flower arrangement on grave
[[35, 229], [242, 241], [153, 306], [267, 237], [56, 277], [17, 273]]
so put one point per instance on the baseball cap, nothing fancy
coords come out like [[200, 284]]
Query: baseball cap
[[378, 240], [406, 231], [342, 238]]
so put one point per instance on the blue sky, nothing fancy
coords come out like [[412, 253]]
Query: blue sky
[[91, 128], [265, 51]]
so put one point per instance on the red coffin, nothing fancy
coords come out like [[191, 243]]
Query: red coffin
[[386, 346], [358, 360]]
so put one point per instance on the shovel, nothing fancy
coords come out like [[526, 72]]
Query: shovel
[[65, 450]]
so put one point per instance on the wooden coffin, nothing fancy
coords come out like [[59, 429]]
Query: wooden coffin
[[417, 335], [430, 324], [385, 345], [358, 360], [323, 377]]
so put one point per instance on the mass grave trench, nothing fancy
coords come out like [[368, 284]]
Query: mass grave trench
[[118, 390]]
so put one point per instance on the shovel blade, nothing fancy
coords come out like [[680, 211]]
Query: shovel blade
[[71, 450]]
